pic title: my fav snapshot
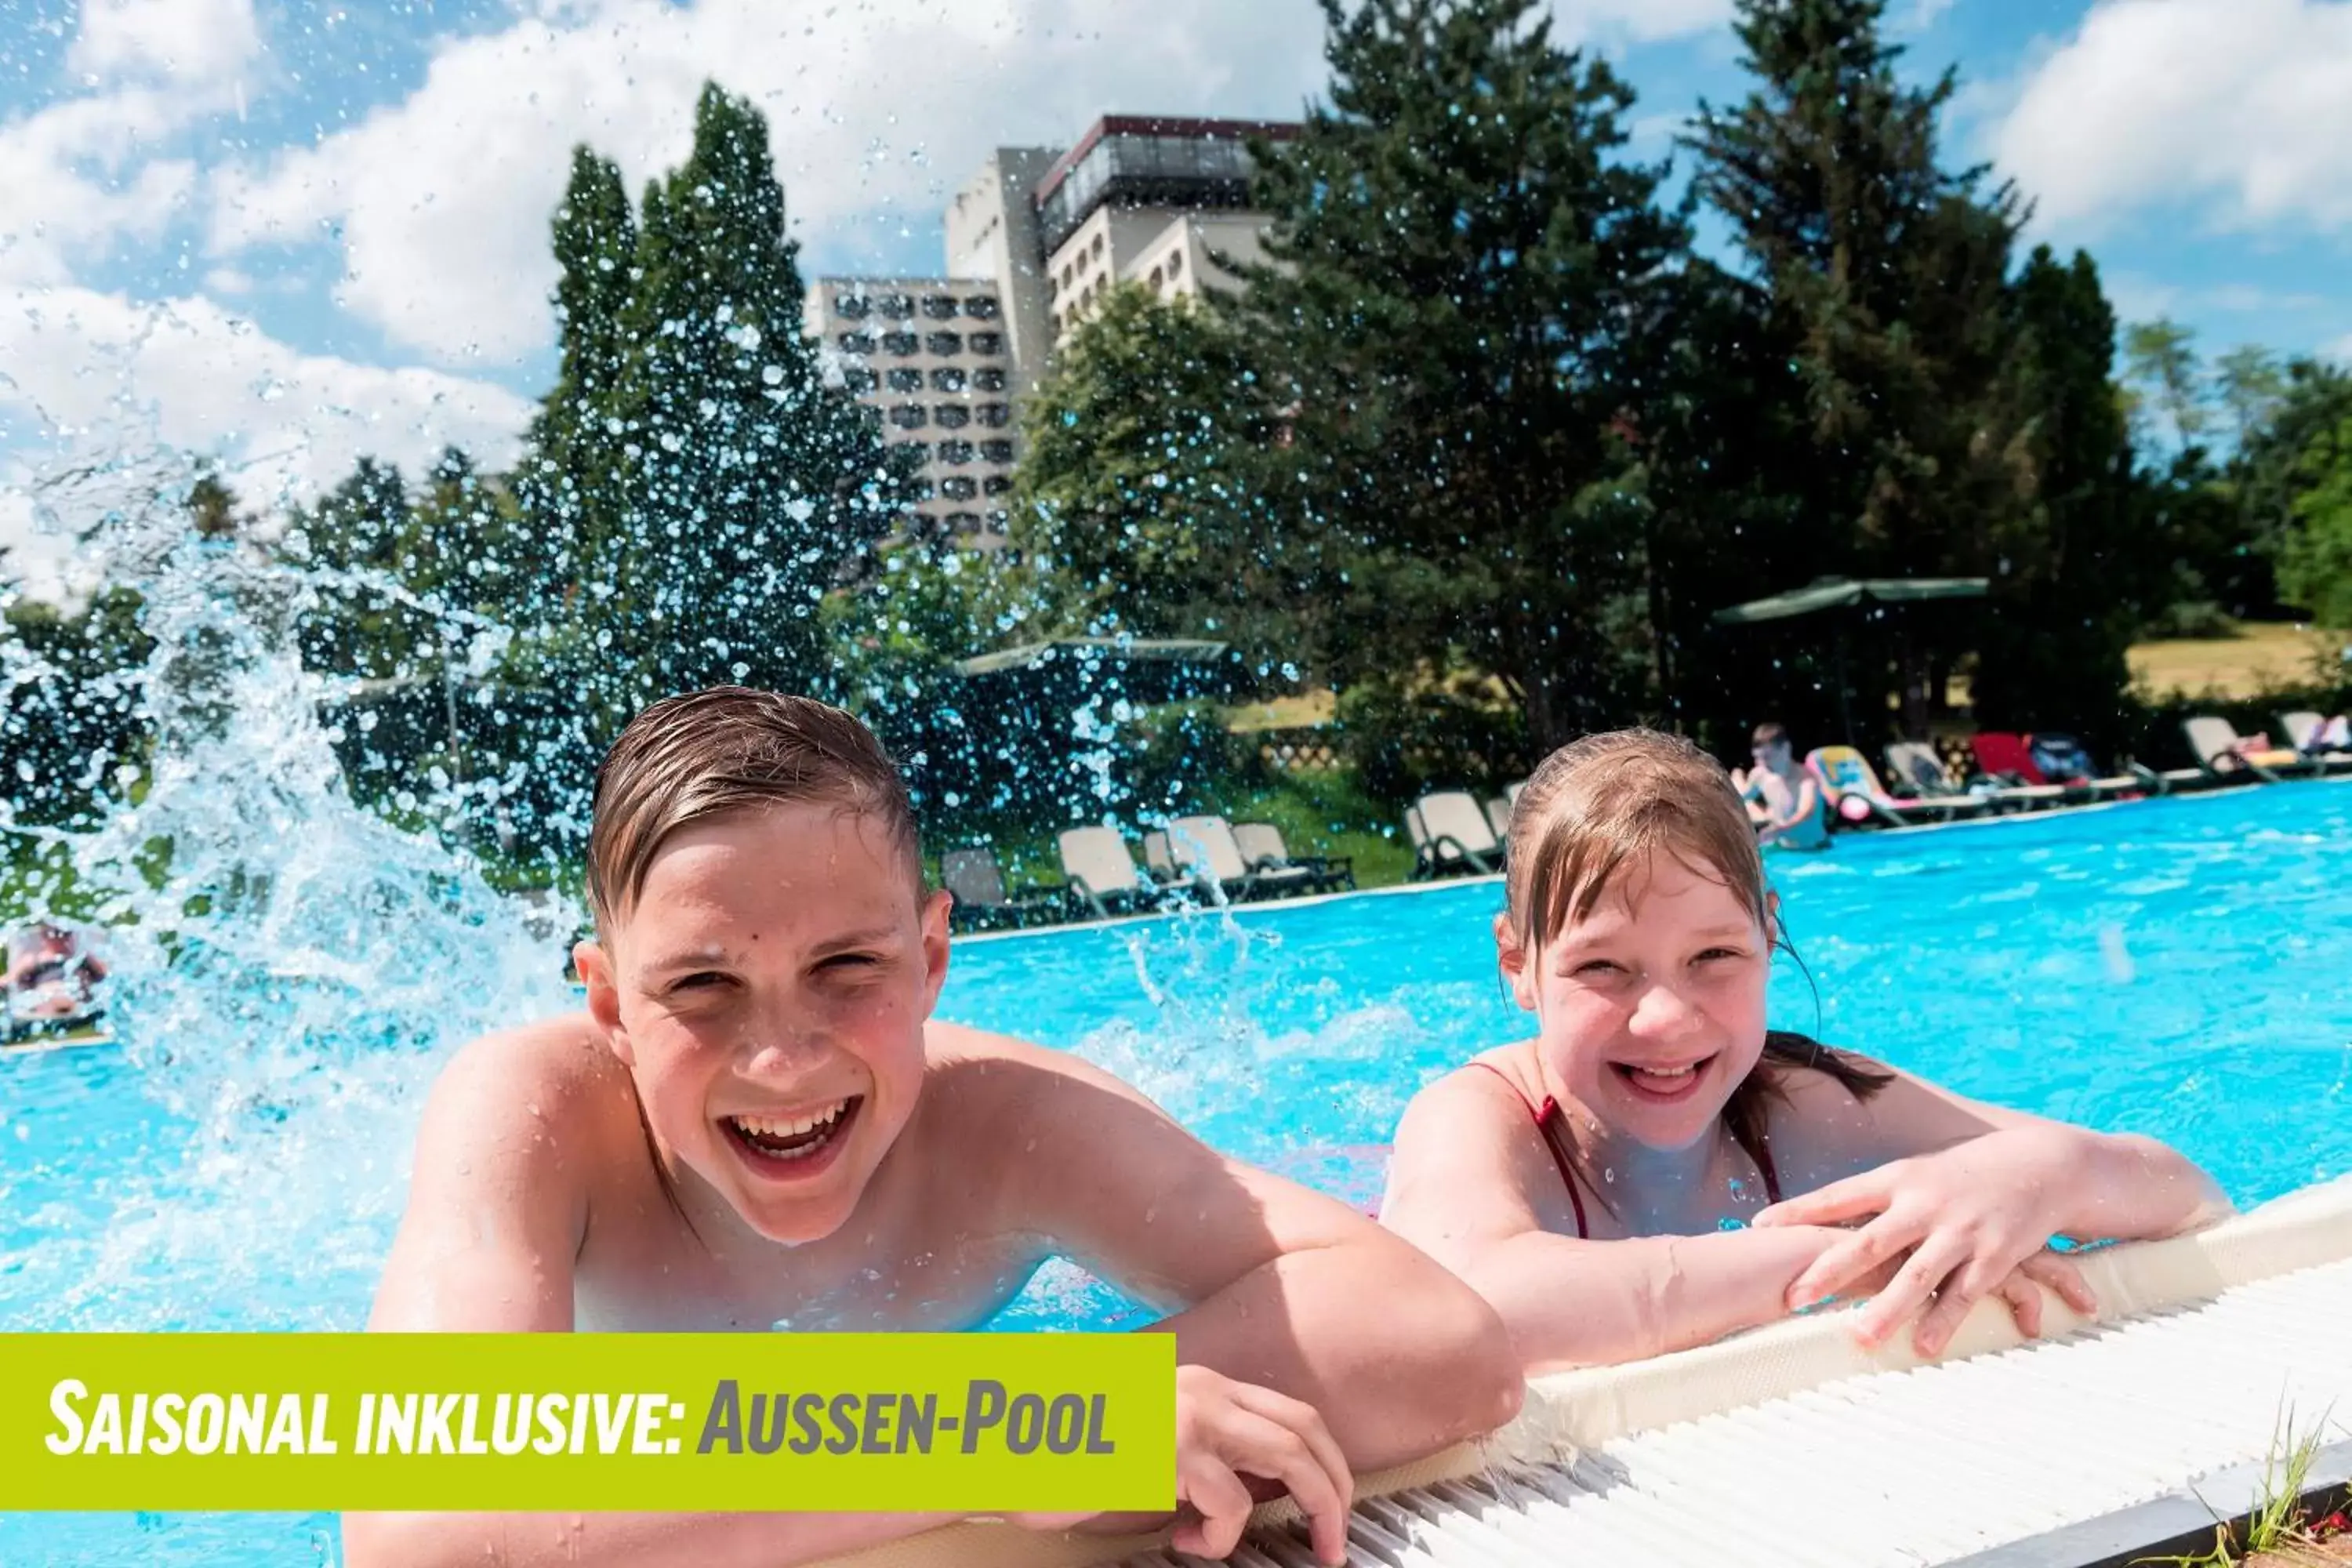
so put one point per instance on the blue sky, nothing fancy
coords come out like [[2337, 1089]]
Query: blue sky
[[284, 232]]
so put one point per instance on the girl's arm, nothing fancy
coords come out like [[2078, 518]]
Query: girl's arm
[[1466, 1185], [1967, 1192]]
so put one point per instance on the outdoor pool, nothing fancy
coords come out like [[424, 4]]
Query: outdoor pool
[[2175, 966]]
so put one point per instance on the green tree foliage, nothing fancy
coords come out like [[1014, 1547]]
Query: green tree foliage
[[2074, 580], [1885, 278], [748, 485], [1143, 502], [1466, 274], [2316, 563], [2168, 382]]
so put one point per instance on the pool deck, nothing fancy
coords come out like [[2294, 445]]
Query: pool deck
[[1791, 1444]]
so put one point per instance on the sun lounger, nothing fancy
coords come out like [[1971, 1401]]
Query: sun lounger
[[1205, 846], [1843, 773], [977, 885], [1915, 764], [2300, 727], [2221, 752], [1263, 849], [1101, 873], [2022, 764], [1498, 818], [1451, 836]]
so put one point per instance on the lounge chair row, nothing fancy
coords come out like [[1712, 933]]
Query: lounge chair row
[[1455, 834], [1192, 858], [2027, 773]]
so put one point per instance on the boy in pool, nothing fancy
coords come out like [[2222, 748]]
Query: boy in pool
[[1655, 1169], [757, 1124], [1785, 801]]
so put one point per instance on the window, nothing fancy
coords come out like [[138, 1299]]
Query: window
[[908, 415], [921, 450], [900, 343], [921, 490], [994, 416], [956, 452], [980, 308], [1155, 281], [904, 378], [853, 306], [940, 307], [965, 521], [1066, 275], [988, 378], [988, 342], [947, 378], [1097, 248], [1000, 523], [858, 378], [959, 487], [944, 344], [953, 416], [996, 451], [896, 306], [1175, 264], [996, 484], [855, 343]]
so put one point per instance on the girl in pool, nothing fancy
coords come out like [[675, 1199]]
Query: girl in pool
[[1657, 1168]]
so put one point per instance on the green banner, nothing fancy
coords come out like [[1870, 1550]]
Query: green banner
[[786, 1422]]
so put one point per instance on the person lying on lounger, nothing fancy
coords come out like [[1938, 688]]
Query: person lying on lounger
[[756, 1121], [1657, 1168], [2327, 735], [54, 978]]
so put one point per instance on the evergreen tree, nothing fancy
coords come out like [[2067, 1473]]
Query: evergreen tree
[[1883, 277], [750, 485], [1464, 294], [2072, 567], [571, 482]]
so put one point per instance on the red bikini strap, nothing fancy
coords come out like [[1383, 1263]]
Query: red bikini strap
[[1546, 1120]]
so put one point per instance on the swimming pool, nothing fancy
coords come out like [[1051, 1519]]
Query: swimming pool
[[2174, 966]]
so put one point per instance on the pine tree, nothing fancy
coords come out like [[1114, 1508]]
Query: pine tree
[[2071, 567], [1884, 289], [571, 481], [1465, 293], [750, 485]]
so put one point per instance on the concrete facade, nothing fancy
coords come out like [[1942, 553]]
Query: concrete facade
[[992, 232], [931, 357]]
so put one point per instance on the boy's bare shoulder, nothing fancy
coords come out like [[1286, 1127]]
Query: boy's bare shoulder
[[552, 1067], [986, 1073]]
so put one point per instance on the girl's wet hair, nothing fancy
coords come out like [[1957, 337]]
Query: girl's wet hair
[[1596, 815]]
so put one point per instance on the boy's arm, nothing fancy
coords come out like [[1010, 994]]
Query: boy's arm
[[496, 1211], [1270, 1283], [1461, 1187]]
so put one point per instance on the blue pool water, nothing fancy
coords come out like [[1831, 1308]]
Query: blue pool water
[[2178, 967]]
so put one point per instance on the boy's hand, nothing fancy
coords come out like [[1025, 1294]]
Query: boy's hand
[[1227, 1432], [1965, 1221]]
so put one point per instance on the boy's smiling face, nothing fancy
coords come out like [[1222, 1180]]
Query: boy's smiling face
[[768, 990]]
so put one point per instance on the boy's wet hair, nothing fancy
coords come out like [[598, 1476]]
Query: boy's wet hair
[[1597, 813], [730, 748], [1769, 735]]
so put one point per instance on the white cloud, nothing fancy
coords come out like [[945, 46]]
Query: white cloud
[[91, 170], [2243, 105], [194, 40], [877, 111], [2341, 350], [92, 373]]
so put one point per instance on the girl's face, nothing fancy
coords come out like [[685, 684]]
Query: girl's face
[[1649, 1011]]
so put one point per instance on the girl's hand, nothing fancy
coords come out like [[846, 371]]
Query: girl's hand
[[1963, 1221], [1227, 1432]]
